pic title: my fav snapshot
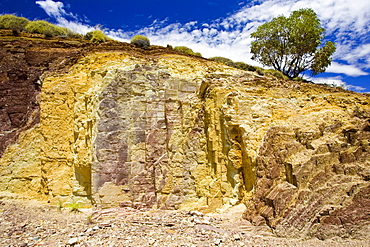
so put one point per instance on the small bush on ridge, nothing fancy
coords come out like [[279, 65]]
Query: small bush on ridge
[[184, 49], [97, 36], [276, 73], [259, 70], [187, 50], [244, 66], [46, 28], [223, 60], [14, 23], [231, 63], [140, 41], [299, 78], [247, 67]]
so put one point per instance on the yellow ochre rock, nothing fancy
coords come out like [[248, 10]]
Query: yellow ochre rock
[[177, 132]]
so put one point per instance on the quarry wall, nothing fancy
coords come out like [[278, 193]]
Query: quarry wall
[[178, 132]]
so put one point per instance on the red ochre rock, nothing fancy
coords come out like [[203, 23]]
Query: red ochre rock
[[113, 125]]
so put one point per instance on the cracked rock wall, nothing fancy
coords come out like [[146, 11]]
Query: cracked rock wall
[[118, 130], [176, 132]]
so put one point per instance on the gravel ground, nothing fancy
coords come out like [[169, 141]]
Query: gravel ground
[[34, 224]]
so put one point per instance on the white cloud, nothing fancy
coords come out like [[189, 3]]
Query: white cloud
[[355, 88], [362, 51], [344, 20], [56, 10], [349, 70], [75, 26], [359, 55], [347, 22], [53, 9], [336, 81]]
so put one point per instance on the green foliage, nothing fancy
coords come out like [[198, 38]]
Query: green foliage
[[46, 28], [97, 36], [260, 70], [184, 49], [341, 87], [73, 35], [244, 66], [247, 67], [223, 60], [14, 23], [276, 73], [89, 219], [290, 44], [140, 41], [298, 78], [89, 35], [74, 207], [187, 50], [60, 205], [231, 63], [322, 58], [18, 24]]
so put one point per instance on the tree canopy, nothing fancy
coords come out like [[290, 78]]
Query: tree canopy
[[293, 44]]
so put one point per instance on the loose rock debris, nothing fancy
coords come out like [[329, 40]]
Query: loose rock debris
[[30, 224]]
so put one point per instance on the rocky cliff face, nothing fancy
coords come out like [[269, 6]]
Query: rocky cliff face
[[149, 129]]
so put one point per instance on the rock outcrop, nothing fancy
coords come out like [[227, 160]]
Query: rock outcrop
[[148, 129]]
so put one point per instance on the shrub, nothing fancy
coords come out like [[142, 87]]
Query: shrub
[[60, 205], [89, 35], [244, 66], [74, 207], [247, 67], [97, 36], [187, 50], [14, 23], [259, 70], [231, 63], [184, 49], [276, 73], [140, 41], [46, 28], [223, 60], [238, 65], [64, 31], [299, 78], [73, 35]]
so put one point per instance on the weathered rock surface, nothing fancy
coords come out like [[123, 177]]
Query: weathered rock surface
[[24, 62], [150, 130]]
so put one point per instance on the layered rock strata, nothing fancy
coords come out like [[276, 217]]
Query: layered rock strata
[[174, 132]]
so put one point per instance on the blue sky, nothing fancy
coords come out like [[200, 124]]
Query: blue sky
[[215, 27]]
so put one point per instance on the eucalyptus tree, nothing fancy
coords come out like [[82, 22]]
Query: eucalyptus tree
[[293, 44]]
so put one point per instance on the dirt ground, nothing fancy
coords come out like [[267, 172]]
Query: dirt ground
[[34, 224]]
